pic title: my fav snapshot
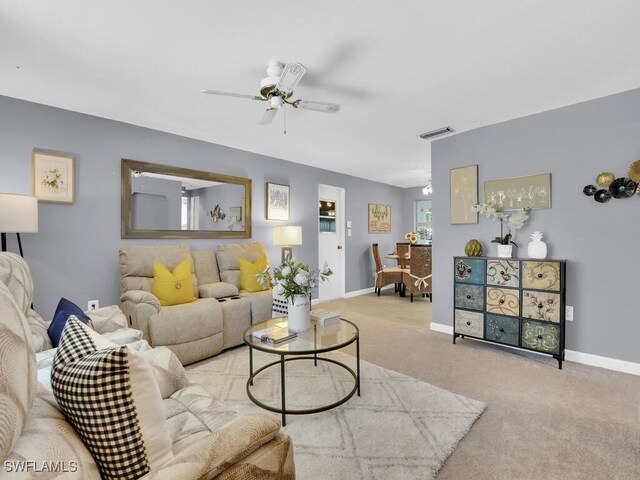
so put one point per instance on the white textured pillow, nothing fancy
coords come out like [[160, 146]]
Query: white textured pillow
[[123, 336], [109, 395], [107, 319]]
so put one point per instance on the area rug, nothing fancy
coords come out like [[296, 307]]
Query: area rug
[[399, 428]]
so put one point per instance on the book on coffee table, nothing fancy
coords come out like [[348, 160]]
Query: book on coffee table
[[324, 317], [274, 335]]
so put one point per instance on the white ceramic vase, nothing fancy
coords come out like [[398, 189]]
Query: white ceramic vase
[[504, 251], [299, 313]]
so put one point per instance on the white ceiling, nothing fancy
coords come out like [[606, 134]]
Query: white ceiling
[[398, 68]]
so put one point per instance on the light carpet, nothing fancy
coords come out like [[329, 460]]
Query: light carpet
[[400, 428]]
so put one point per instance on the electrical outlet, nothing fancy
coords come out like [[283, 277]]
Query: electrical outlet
[[568, 313], [93, 304]]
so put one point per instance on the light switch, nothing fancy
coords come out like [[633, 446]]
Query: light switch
[[348, 232], [349, 225]]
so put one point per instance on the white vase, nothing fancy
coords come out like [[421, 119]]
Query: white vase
[[299, 313], [504, 251]]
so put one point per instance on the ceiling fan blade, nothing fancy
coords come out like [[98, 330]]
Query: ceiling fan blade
[[290, 77], [267, 118], [319, 106], [229, 94]]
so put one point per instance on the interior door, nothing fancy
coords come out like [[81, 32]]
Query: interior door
[[331, 239]]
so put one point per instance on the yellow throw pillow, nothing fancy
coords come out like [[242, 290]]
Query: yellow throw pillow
[[173, 288], [248, 280]]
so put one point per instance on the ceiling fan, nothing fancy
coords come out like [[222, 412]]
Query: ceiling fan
[[277, 89]]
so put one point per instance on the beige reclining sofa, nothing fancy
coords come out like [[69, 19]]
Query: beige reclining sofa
[[208, 438], [205, 327]]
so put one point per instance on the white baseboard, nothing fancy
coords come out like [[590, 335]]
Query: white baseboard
[[438, 327], [603, 362], [364, 291], [572, 356]]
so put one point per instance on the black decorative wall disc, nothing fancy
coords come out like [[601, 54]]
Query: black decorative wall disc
[[602, 196], [622, 187]]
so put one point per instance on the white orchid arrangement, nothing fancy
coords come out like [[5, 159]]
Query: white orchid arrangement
[[515, 220], [293, 278]]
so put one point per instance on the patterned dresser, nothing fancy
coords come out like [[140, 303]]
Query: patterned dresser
[[511, 301]]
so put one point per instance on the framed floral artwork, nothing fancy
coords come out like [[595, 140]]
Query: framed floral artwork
[[379, 218], [533, 191], [277, 202], [463, 189], [52, 177]]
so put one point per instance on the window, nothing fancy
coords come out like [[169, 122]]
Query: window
[[327, 216], [423, 221]]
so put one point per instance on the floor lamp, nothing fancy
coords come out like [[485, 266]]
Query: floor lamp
[[18, 214], [286, 236]]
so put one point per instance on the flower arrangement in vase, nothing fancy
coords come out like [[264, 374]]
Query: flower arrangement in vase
[[293, 281], [412, 237], [514, 221]]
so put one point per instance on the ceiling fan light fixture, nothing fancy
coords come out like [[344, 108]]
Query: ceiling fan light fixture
[[436, 133], [276, 102]]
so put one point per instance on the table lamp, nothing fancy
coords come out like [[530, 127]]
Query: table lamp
[[18, 214], [286, 236]]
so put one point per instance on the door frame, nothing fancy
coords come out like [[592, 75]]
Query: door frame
[[341, 238]]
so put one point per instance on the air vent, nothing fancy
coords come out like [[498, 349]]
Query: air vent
[[436, 133]]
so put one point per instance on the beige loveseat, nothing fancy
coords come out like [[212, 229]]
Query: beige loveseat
[[200, 329], [209, 440]]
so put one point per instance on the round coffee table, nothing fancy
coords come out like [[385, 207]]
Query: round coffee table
[[306, 346]]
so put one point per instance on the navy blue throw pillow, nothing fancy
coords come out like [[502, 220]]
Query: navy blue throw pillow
[[64, 310]]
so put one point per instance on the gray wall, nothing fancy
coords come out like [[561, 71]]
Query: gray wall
[[75, 252], [600, 241], [155, 204]]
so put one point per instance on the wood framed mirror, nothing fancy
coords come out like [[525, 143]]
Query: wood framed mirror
[[159, 201]]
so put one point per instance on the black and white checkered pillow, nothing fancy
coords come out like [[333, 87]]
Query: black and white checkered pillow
[[100, 390]]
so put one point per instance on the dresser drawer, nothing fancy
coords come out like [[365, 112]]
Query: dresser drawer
[[541, 305], [544, 337], [502, 329], [469, 323], [541, 275], [503, 301], [469, 296], [469, 270], [503, 272]]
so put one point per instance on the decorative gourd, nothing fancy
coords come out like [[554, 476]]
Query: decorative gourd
[[473, 248], [537, 248]]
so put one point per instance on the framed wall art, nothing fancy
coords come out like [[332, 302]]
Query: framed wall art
[[52, 177], [278, 201], [379, 218], [235, 214], [463, 188], [532, 191]]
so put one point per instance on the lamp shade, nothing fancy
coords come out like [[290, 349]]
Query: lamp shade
[[287, 235], [18, 213]]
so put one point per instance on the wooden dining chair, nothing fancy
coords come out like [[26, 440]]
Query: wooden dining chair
[[417, 279], [403, 250], [385, 275]]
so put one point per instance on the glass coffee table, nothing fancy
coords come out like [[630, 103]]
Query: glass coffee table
[[306, 346]]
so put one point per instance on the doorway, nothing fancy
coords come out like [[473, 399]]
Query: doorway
[[331, 211]]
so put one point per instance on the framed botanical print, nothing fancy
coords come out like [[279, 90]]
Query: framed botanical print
[[277, 202], [52, 177], [379, 218], [533, 191], [463, 188]]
